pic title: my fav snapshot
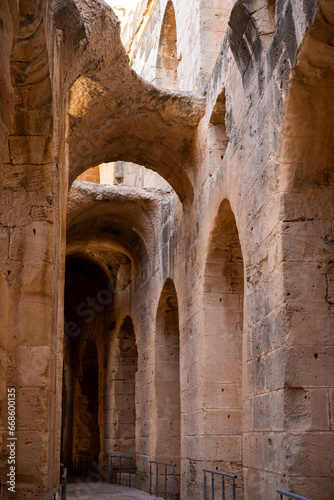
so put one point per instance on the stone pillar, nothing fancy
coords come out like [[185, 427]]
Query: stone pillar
[[29, 215], [9, 19]]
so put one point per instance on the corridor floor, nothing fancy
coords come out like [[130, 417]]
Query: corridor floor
[[83, 490]]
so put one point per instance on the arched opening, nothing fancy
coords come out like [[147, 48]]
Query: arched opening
[[223, 337], [89, 296], [121, 173], [121, 416], [162, 142], [167, 62], [166, 405]]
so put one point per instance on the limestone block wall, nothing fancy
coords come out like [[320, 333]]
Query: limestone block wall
[[227, 279]]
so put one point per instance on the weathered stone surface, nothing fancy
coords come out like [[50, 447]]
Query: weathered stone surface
[[191, 323]]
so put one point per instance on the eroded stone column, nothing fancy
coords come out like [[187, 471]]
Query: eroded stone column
[[29, 218]]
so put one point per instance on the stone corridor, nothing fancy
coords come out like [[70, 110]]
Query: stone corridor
[[167, 244]]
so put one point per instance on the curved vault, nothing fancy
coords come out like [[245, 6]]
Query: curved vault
[[101, 216], [94, 275], [113, 113]]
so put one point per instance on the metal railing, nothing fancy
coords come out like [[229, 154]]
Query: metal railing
[[287, 494], [222, 475], [64, 484], [53, 493], [82, 463], [157, 477], [120, 457]]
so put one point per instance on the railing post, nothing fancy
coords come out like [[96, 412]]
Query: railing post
[[130, 473], [165, 481], [212, 487], [150, 478], [119, 474], [156, 479], [64, 484], [223, 475]]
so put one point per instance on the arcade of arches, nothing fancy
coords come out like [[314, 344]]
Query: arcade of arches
[[166, 242]]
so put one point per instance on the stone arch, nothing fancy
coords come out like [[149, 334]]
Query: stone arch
[[112, 219], [222, 344], [121, 394], [167, 61], [166, 401], [133, 121], [109, 235]]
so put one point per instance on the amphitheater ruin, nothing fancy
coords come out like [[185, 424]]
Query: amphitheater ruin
[[167, 243]]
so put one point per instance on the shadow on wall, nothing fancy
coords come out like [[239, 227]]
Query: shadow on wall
[[223, 332], [166, 403], [123, 390]]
